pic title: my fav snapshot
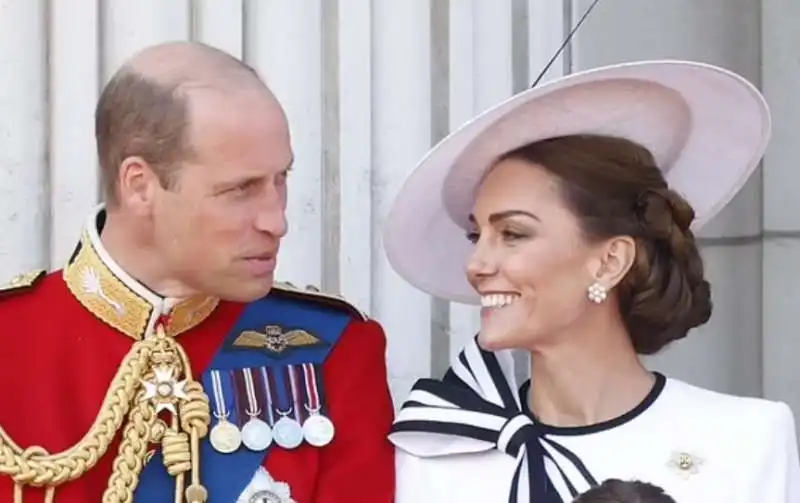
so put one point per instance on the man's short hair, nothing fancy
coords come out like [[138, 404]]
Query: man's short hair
[[618, 491], [145, 113], [137, 116]]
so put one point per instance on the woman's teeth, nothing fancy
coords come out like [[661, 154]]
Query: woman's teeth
[[496, 300]]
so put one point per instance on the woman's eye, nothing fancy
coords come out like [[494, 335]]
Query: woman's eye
[[513, 236]]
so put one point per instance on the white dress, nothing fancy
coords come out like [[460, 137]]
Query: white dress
[[466, 439]]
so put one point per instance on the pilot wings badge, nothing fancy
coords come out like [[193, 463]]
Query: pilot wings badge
[[277, 342]]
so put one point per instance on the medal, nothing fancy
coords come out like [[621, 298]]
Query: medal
[[225, 437], [256, 434], [318, 430], [287, 432]]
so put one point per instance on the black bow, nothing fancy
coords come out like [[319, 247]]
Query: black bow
[[475, 401]]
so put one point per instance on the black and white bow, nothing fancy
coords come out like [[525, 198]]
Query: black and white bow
[[477, 402]]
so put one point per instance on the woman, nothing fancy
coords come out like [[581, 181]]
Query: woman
[[572, 207]]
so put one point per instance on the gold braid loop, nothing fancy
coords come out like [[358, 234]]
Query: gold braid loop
[[196, 411], [36, 467], [132, 453], [177, 453], [146, 383]]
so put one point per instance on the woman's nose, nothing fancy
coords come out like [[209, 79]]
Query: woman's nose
[[481, 263]]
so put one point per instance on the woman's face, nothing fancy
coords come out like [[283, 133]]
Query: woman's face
[[530, 264]]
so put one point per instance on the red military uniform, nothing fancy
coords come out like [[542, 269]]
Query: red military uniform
[[66, 335]]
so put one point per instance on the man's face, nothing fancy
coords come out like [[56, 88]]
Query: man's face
[[219, 228]]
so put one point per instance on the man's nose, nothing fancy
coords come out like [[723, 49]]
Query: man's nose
[[271, 219]]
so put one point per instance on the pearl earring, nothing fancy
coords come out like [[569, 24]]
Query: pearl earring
[[597, 293]]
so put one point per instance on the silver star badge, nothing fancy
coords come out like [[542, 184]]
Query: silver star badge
[[164, 390]]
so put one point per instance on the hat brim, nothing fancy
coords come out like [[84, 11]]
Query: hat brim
[[707, 128]]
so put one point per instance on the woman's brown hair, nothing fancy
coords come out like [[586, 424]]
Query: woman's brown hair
[[615, 188], [618, 491]]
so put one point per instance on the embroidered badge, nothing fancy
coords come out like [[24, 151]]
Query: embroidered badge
[[263, 488], [93, 285], [685, 464], [22, 281], [277, 342]]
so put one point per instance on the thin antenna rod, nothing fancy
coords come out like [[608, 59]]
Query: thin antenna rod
[[564, 44]]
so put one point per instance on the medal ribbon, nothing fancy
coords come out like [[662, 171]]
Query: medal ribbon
[[268, 392], [252, 401], [294, 392], [237, 390], [312, 392], [220, 407]]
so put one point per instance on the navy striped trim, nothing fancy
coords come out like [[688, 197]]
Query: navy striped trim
[[476, 401]]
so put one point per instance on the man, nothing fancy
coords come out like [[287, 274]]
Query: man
[[161, 363]]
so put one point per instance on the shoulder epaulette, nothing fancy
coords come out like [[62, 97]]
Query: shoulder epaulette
[[22, 282], [313, 294]]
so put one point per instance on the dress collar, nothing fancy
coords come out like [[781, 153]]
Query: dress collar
[[119, 300], [476, 408]]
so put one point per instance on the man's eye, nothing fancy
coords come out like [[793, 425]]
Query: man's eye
[[242, 189]]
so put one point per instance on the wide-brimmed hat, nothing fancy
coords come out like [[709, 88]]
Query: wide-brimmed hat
[[707, 128]]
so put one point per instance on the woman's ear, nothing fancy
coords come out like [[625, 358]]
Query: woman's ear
[[614, 259]]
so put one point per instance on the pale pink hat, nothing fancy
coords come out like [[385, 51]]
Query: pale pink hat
[[707, 128]]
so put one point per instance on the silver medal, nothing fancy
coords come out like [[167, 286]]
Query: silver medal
[[287, 433], [225, 437], [256, 434], [318, 430]]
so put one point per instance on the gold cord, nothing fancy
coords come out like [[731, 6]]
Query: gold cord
[[146, 382]]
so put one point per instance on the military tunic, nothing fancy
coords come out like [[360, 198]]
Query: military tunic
[[294, 354]]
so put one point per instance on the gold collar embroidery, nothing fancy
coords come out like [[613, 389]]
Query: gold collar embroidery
[[120, 301]]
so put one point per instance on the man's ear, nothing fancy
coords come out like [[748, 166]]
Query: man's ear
[[137, 184], [614, 258]]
